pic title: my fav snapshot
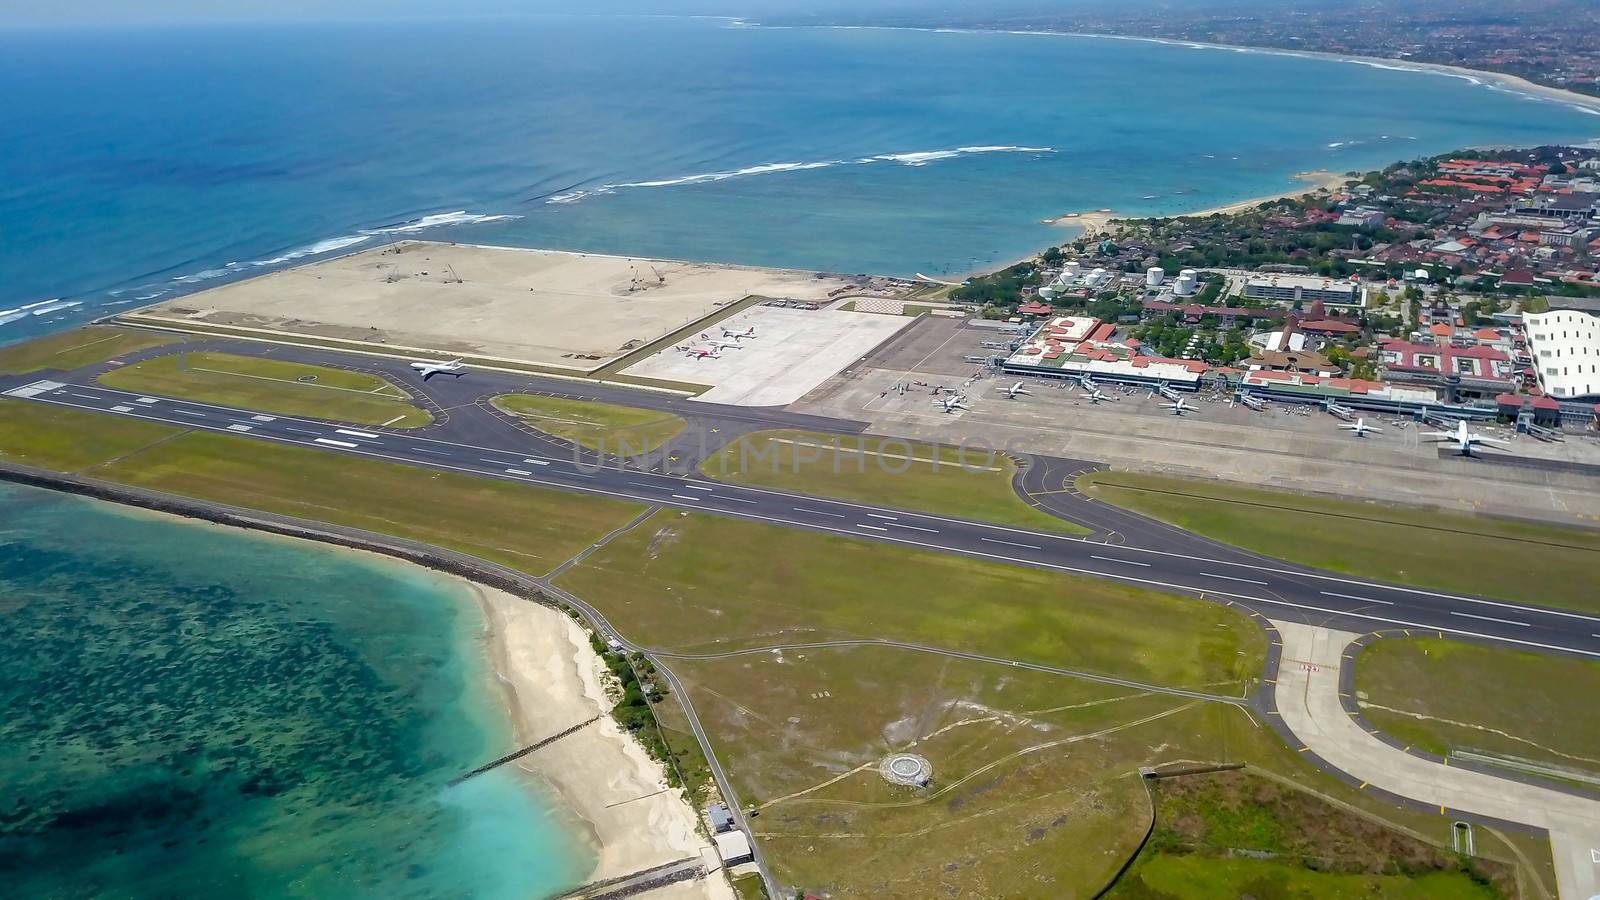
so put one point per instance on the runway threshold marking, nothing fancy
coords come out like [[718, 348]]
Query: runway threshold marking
[[1491, 619], [1356, 597]]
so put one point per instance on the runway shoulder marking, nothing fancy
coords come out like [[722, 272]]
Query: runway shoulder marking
[[1008, 543], [1356, 597], [333, 443], [1490, 619], [1126, 562]]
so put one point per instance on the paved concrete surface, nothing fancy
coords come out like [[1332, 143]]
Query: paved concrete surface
[[1307, 697], [1289, 450], [794, 350], [536, 306]]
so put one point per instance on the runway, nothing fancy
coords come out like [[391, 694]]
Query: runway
[[470, 437]]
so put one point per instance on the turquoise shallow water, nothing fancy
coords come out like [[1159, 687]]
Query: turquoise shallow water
[[139, 162], [200, 712]]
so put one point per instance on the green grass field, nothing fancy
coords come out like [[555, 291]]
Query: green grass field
[[275, 386], [1165, 877], [68, 440], [527, 528], [604, 427], [1554, 566], [704, 583], [974, 484], [79, 347], [1444, 695]]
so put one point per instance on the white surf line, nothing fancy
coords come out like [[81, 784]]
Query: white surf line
[[1231, 578], [1491, 619], [1126, 562], [1355, 597], [333, 443], [818, 512], [1009, 543]]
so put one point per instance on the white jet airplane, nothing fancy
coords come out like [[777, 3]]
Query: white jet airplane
[[1464, 438], [429, 368], [724, 345], [1359, 428], [697, 352], [1015, 389], [1095, 396], [740, 335], [951, 404], [1179, 406]]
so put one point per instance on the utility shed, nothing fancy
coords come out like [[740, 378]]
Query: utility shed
[[734, 848]]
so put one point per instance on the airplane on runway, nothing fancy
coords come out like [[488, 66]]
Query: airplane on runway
[[740, 335], [1179, 406], [951, 404], [429, 368], [1015, 389], [1359, 428], [1464, 438]]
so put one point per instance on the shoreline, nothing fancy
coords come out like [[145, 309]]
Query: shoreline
[[599, 781], [551, 679]]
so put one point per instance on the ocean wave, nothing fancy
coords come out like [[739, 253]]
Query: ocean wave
[[37, 308], [436, 220], [914, 158], [327, 246]]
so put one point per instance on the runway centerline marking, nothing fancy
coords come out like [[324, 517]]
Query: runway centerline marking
[[685, 497], [1008, 543], [818, 512], [1356, 597], [190, 412], [915, 527], [873, 527], [361, 434], [1491, 619], [1232, 578], [1126, 562], [300, 430]]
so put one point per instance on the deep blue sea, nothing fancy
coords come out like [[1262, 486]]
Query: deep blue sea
[[192, 711], [138, 162]]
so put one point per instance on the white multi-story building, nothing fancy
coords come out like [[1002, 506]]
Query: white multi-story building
[[1565, 346], [1304, 288]]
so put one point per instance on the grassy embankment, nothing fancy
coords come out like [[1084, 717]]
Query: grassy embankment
[[1232, 834], [524, 527], [603, 427], [273, 386], [972, 484], [1035, 791], [79, 347], [1531, 710], [1553, 566]]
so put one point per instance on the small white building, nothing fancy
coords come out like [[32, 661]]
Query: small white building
[[733, 847]]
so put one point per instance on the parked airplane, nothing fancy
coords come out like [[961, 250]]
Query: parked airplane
[[951, 404], [1464, 438], [740, 335], [1179, 406], [1015, 389], [724, 345], [429, 368], [1360, 428], [697, 352], [1095, 396]]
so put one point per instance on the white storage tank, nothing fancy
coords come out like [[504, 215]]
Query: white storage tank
[[1187, 281], [1153, 276]]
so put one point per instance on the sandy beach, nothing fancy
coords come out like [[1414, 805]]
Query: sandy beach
[[613, 790]]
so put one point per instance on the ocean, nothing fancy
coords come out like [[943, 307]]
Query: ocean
[[140, 162], [193, 711]]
